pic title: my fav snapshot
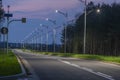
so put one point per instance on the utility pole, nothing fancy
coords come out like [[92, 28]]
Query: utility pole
[[85, 21], [54, 33], [65, 28], [7, 26], [8, 15]]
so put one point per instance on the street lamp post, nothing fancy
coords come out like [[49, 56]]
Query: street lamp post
[[66, 16], [85, 15], [54, 32], [8, 15], [46, 36], [23, 21], [85, 18], [37, 39], [41, 40], [85, 23]]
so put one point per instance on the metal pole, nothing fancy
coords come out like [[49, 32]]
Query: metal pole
[[65, 30], [54, 33], [36, 41], [85, 20], [7, 27], [4, 43], [47, 40], [54, 39], [65, 40], [65, 49], [23, 45], [41, 42], [32, 43]]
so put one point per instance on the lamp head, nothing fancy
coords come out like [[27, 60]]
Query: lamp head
[[40, 24], [47, 19], [56, 11], [98, 11]]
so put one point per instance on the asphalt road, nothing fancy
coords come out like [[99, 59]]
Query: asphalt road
[[59, 68]]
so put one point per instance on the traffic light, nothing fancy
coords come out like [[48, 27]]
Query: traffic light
[[23, 20]]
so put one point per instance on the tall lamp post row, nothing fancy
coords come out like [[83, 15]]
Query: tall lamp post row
[[65, 37], [33, 37]]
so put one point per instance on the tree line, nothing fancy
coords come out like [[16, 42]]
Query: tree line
[[103, 31]]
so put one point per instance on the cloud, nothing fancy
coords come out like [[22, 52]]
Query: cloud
[[36, 8], [33, 5]]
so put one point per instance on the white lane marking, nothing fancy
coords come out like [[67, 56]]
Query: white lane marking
[[89, 70], [65, 62], [104, 74], [75, 65]]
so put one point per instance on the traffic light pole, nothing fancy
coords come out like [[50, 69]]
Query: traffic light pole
[[7, 27], [8, 23]]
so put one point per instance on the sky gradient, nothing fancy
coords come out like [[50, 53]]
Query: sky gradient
[[37, 10]]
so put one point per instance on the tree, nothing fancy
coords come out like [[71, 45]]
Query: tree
[[103, 31]]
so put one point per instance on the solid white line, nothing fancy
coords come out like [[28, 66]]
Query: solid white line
[[89, 70]]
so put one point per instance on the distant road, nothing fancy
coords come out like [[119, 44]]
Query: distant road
[[58, 68]]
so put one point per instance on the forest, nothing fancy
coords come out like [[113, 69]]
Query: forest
[[102, 34]]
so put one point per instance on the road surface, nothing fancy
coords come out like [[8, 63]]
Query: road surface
[[59, 68]]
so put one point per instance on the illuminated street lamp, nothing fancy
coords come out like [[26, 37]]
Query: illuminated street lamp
[[41, 38], [46, 36], [54, 32], [85, 23], [98, 10], [66, 16]]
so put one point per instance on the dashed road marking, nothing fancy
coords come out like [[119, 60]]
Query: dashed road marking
[[89, 70]]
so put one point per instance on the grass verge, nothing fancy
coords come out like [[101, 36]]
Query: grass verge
[[9, 64], [112, 59]]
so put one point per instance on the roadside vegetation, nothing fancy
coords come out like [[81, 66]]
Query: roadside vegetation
[[8, 64], [113, 59], [103, 31], [87, 56]]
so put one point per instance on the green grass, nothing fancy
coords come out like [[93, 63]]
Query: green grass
[[8, 64], [112, 59]]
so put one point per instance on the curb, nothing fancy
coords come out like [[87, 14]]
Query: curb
[[31, 74], [22, 69]]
